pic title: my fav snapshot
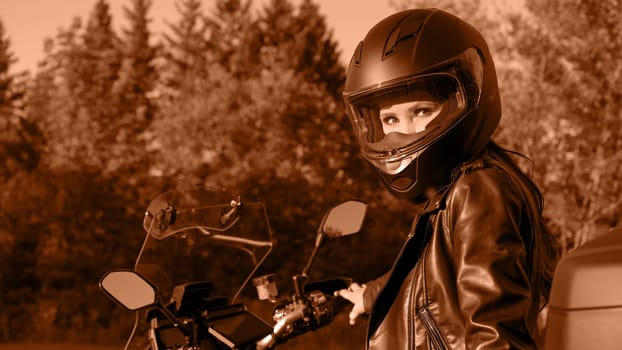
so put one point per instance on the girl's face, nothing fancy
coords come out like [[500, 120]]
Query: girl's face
[[409, 117]]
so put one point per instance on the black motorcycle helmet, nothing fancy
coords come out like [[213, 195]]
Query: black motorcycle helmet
[[438, 68]]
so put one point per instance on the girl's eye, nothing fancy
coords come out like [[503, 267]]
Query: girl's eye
[[428, 110], [423, 112], [390, 120]]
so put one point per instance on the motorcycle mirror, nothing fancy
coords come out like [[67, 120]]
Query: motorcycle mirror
[[128, 288], [344, 219]]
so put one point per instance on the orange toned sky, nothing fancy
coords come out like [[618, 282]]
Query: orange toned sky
[[28, 22]]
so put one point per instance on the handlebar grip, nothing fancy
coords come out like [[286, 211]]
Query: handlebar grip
[[268, 341]]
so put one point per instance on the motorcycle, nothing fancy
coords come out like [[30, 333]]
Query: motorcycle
[[201, 251]]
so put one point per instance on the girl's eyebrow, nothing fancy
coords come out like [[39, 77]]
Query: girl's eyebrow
[[425, 103]]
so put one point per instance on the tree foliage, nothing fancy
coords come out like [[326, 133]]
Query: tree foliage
[[18, 136], [20, 147], [227, 96], [574, 56], [560, 83], [138, 75], [251, 100], [230, 39], [185, 49]]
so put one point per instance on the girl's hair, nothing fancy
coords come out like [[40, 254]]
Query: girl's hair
[[544, 250]]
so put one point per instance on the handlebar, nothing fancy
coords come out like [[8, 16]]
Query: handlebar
[[283, 325], [313, 307]]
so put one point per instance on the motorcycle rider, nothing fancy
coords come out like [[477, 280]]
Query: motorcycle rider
[[421, 94]]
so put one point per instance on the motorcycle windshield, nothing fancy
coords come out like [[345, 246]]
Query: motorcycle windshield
[[207, 235]]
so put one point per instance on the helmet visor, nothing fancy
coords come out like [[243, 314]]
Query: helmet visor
[[394, 123]]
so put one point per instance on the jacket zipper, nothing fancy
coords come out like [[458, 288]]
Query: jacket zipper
[[411, 307], [435, 335], [411, 320], [432, 328]]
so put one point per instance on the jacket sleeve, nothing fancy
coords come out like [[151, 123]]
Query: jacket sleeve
[[372, 290], [490, 261]]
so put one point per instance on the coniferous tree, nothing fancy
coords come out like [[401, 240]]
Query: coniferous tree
[[185, 49], [298, 38], [6, 79], [276, 25], [319, 56], [18, 147], [230, 41], [138, 77], [99, 71], [134, 89], [12, 151], [102, 54]]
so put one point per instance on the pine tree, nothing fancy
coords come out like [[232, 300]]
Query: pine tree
[[319, 56], [134, 90], [231, 30], [185, 50], [298, 38], [7, 96], [276, 25], [6, 79], [19, 146], [20, 152], [99, 71], [138, 76], [102, 52]]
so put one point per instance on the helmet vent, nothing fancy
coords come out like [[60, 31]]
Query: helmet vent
[[405, 29], [393, 41], [356, 58]]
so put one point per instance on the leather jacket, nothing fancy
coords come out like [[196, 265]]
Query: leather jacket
[[461, 278]]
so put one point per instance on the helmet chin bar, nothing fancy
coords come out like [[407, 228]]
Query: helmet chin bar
[[402, 181], [405, 184], [424, 176]]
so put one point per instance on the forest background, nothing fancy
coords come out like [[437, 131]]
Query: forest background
[[251, 100]]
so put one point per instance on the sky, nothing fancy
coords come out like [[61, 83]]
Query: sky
[[28, 22]]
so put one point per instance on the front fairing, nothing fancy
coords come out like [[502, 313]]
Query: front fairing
[[208, 234], [201, 249]]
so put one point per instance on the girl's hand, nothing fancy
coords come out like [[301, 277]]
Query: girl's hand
[[354, 294]]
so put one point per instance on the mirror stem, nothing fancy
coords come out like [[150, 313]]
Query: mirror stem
[[299, 285], [318, 242]]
